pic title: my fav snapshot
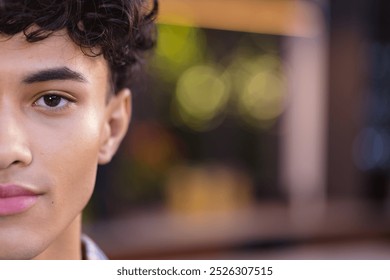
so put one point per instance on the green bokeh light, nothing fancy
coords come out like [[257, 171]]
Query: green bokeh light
[[201, 96], [262, 97], [178, 48], [259, 89]]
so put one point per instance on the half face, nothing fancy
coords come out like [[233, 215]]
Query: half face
[[55, 127]]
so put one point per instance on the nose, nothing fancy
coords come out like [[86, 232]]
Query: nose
[[13, 145]]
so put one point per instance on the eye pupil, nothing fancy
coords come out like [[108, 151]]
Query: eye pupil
[[52, 100]]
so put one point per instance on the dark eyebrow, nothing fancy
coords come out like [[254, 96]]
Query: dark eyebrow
[[61, 73]]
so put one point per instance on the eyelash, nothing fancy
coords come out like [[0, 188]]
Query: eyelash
[[59, 107]]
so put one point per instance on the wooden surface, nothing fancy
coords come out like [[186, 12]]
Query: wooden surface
[[278, 17], [159, 233]]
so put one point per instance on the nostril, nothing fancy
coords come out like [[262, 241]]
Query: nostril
[[21, 162], [14, 153]]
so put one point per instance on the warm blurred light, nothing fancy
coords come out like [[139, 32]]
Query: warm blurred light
[[178, 48], [280, 17], [201, 95], [151, 145], [208, 188], [147, 154]]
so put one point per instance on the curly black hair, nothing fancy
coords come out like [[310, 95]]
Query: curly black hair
[[121, 30]]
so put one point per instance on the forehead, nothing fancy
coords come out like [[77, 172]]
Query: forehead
[[17, 56]]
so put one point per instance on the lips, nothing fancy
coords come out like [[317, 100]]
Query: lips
[[15, 199]]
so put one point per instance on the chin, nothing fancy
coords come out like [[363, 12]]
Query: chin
[[21, 248], [19, 253]]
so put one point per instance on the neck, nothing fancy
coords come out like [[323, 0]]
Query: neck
[[67, 246]]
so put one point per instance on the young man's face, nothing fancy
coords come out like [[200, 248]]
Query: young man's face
[[56, 125]]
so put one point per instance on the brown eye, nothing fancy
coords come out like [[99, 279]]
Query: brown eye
[[52, 100]]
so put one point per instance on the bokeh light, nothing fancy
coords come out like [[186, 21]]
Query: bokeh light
[[259, 88], [201, 95], [371, 150], [178, 48], [213, 187], [261, 99]]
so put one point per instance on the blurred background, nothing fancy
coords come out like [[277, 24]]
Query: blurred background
[[260, 130]]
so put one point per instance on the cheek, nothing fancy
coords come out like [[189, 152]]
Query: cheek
[[70, 153]]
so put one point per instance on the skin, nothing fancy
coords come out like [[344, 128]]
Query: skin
[[53, 150]]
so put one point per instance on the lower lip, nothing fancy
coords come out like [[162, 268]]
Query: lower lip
[[16, 204]]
